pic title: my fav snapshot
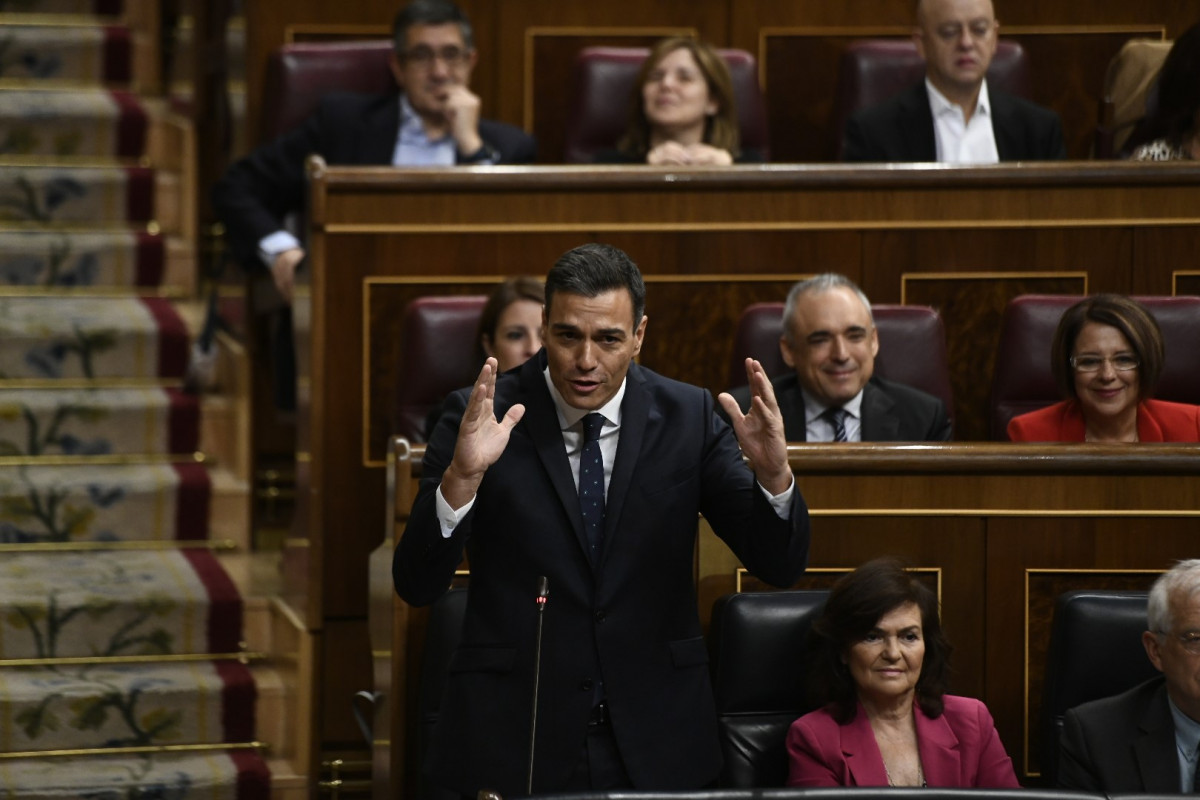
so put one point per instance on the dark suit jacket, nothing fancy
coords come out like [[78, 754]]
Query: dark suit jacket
[[891, 412], [260, 190], [901, 129], [1157, 421], [959, 749], [631, 618], [1124, 743]]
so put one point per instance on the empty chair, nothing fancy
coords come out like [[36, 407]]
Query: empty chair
[[912, 347], [440, 354], [1023, 381], [758, 642], [874, 70], [1095, 651], [602, 88]]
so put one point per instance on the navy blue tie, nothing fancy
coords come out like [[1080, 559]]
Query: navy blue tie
[[837, 418], [591, 483]]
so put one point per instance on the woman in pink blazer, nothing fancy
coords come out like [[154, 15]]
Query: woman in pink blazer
[[1107, 356], [881, 671]]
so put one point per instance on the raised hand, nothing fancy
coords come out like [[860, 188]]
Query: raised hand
[[760, 431], [462, 115], [481, 439]]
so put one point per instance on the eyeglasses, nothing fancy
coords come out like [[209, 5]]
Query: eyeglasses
[[1188, 641], [423, 56], [1121, 362]]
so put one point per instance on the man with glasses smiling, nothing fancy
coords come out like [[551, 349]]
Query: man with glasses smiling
[[952, 116], [1146, 739], [432, 121]]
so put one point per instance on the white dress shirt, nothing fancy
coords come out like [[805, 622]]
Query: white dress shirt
[[818, 428], [960, 141]]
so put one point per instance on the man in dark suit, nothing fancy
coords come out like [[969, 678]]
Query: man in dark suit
[[952, 116], [433, 120], [587, 469], [829, 339], [1145, 740]]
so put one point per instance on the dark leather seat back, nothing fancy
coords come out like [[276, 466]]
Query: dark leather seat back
[[1095, 651], [1023, 380], [602, 89], [850, 793], [440, 355], [912, 347], [298, 75], [874, 70], [758, 643]]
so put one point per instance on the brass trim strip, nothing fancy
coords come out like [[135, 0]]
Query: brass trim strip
[[94, 383], [160, 748], [126, 292], [522, 226], [990, 275], [110, 460], [180, 658], [215, 545], [287, 612]]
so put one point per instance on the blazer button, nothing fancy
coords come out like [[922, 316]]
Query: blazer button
[[599, 615], [585, 685]]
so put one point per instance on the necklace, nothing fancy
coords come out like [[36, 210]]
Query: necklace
[[920, 775]]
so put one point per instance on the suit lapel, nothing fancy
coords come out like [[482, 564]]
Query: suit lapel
[[941, 758], [863, 759], [541, 423], [378, 132], [917, 125], [879, 424], [791, 408], [635, 412], [1002, 130], [1154, 748]]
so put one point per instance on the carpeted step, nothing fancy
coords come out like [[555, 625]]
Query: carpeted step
[[95, 422], [110, 503], [82, 196], [114, 259], [216, 775], [91, 337], [95, 123], [125, 705], [116, 603], [78, 53]]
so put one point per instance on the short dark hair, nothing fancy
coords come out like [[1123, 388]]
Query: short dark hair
[[1176, 97], [510, 291], [430, 12], [593, 269], [856, 604], [1125, 314]]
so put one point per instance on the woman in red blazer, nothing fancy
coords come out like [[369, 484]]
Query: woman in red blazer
[[881, 669], [1107, 356]]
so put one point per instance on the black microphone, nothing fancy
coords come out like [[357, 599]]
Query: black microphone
[[543, 592]]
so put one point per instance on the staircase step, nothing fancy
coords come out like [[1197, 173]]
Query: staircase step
[[79, 53], [97, 422], [82, 337], [126, 705], [214, 775], [63, 259], [116, 604], [112, 503], [75, 195], [84, 122]]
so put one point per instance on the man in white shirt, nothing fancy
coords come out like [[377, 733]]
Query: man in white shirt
[[588, 469], [952, 117], [432, 121]]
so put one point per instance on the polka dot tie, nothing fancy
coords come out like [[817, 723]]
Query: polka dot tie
[[591, 483]]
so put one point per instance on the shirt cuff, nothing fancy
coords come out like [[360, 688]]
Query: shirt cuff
[[448, 518], [274, 244], [782, 502]]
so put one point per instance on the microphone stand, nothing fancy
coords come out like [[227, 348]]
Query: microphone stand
[[543, 591]]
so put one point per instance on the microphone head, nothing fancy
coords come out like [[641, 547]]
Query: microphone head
[[543, 587]]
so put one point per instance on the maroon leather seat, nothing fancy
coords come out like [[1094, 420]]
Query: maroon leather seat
[[602, 86], [1023, 381], [440, 355], [912, 347], [298, 75], [873, 70]]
